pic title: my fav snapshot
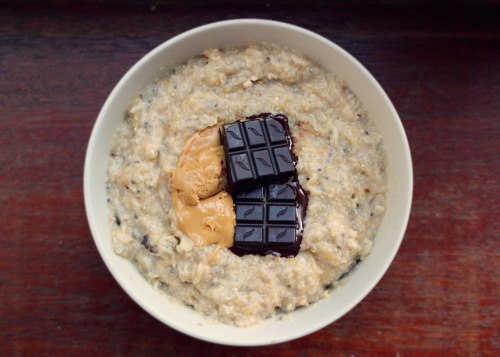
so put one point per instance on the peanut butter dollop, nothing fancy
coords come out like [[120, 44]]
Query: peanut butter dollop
[[204, 210], [199, 170]]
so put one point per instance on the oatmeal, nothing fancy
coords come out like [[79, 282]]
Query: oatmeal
[[341, 165]]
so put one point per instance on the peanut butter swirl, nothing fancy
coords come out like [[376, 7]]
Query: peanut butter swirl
[[204, 210]]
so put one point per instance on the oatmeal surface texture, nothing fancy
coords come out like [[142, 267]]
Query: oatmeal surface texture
[[341, 165]]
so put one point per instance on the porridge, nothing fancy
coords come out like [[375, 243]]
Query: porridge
[[155, 192]]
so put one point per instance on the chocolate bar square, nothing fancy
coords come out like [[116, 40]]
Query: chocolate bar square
[[269, 219], [258, 152]]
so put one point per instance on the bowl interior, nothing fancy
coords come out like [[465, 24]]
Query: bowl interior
[[333, 59]]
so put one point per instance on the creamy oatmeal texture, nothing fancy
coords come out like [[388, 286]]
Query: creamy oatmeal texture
[[341, 165]]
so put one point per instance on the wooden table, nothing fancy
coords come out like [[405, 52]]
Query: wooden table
[[439, 64]]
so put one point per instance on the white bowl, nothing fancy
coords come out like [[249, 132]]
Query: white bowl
[[400, 180]]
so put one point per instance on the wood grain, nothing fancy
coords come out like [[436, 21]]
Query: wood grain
[[439, 64]]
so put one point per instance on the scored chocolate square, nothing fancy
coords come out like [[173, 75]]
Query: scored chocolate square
[[269, 219], [258, 151]]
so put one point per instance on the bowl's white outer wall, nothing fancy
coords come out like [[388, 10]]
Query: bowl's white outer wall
[[334, 59]]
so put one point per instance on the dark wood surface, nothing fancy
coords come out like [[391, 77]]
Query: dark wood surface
[[440, 64]]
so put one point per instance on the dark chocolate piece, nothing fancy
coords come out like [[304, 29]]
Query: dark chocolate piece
[[258, 151], [269, 219]]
